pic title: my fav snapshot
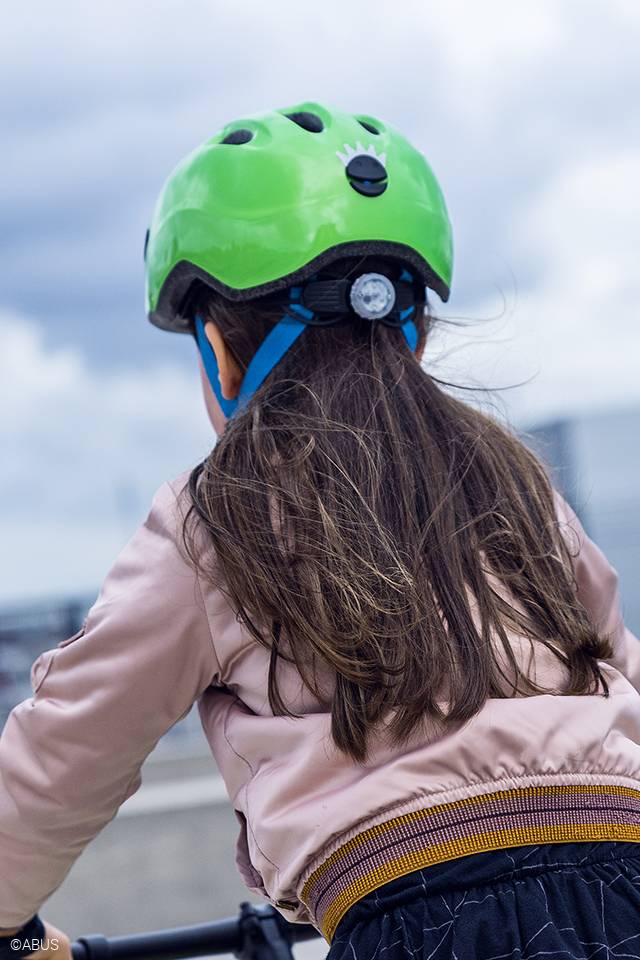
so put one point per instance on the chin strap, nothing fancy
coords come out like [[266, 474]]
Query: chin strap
[[273, 348], [210, 365]]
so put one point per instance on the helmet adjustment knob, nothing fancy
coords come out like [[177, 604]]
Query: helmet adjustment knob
[[372, 296]]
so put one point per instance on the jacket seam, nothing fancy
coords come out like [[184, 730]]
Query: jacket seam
[[258, 847], [236, 699], [47, 668], [136, 773], [209, 630], [245, 818], [481, 783], [226, 737], [246, 787]]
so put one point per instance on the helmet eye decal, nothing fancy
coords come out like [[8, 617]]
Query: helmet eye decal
[[360, 151], [365, 169]]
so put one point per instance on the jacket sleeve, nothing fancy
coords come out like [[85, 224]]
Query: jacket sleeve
[[71, 754], [598, 590]]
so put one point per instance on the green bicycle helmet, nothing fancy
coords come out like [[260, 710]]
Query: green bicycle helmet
[[271, 200]]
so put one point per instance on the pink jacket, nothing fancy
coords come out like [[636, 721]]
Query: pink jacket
[[316, 831]]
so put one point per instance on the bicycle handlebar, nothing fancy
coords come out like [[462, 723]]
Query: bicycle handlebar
[[259, 933]]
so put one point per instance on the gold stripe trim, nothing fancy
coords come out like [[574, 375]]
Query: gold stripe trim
[[452, 850], [478, 843], [388, 825]]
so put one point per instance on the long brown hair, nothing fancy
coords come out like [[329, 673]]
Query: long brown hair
[[368, 515]]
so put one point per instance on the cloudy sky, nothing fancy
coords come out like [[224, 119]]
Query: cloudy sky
[[528, 113]]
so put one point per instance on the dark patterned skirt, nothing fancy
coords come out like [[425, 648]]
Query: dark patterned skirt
[[555, 901]]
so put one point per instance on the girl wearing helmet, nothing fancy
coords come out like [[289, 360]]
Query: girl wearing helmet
[[409, 659]]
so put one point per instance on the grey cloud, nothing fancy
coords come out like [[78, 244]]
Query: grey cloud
[[102, 102], [99, 100]]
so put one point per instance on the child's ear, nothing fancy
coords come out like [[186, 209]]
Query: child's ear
[[229, 373]]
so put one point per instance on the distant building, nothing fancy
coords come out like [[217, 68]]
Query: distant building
[[594, 461], [28, 629], [25, 631]]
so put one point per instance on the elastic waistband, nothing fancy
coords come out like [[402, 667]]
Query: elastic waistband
[[435, 837], [479, 869]]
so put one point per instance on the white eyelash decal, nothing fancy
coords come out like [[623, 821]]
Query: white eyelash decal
[[360, 151]]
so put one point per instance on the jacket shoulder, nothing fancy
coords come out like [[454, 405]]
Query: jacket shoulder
[[169, 507]]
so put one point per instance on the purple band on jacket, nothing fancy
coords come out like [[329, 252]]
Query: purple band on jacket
[[507, 818]]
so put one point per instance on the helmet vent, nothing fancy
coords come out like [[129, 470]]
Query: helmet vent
[[238, 136], [308, 121], [369, 126]]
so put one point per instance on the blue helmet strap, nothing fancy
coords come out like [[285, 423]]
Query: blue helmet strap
[[269, 353], [273, 348], [210, 365], [407, 316], [409, 328]]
